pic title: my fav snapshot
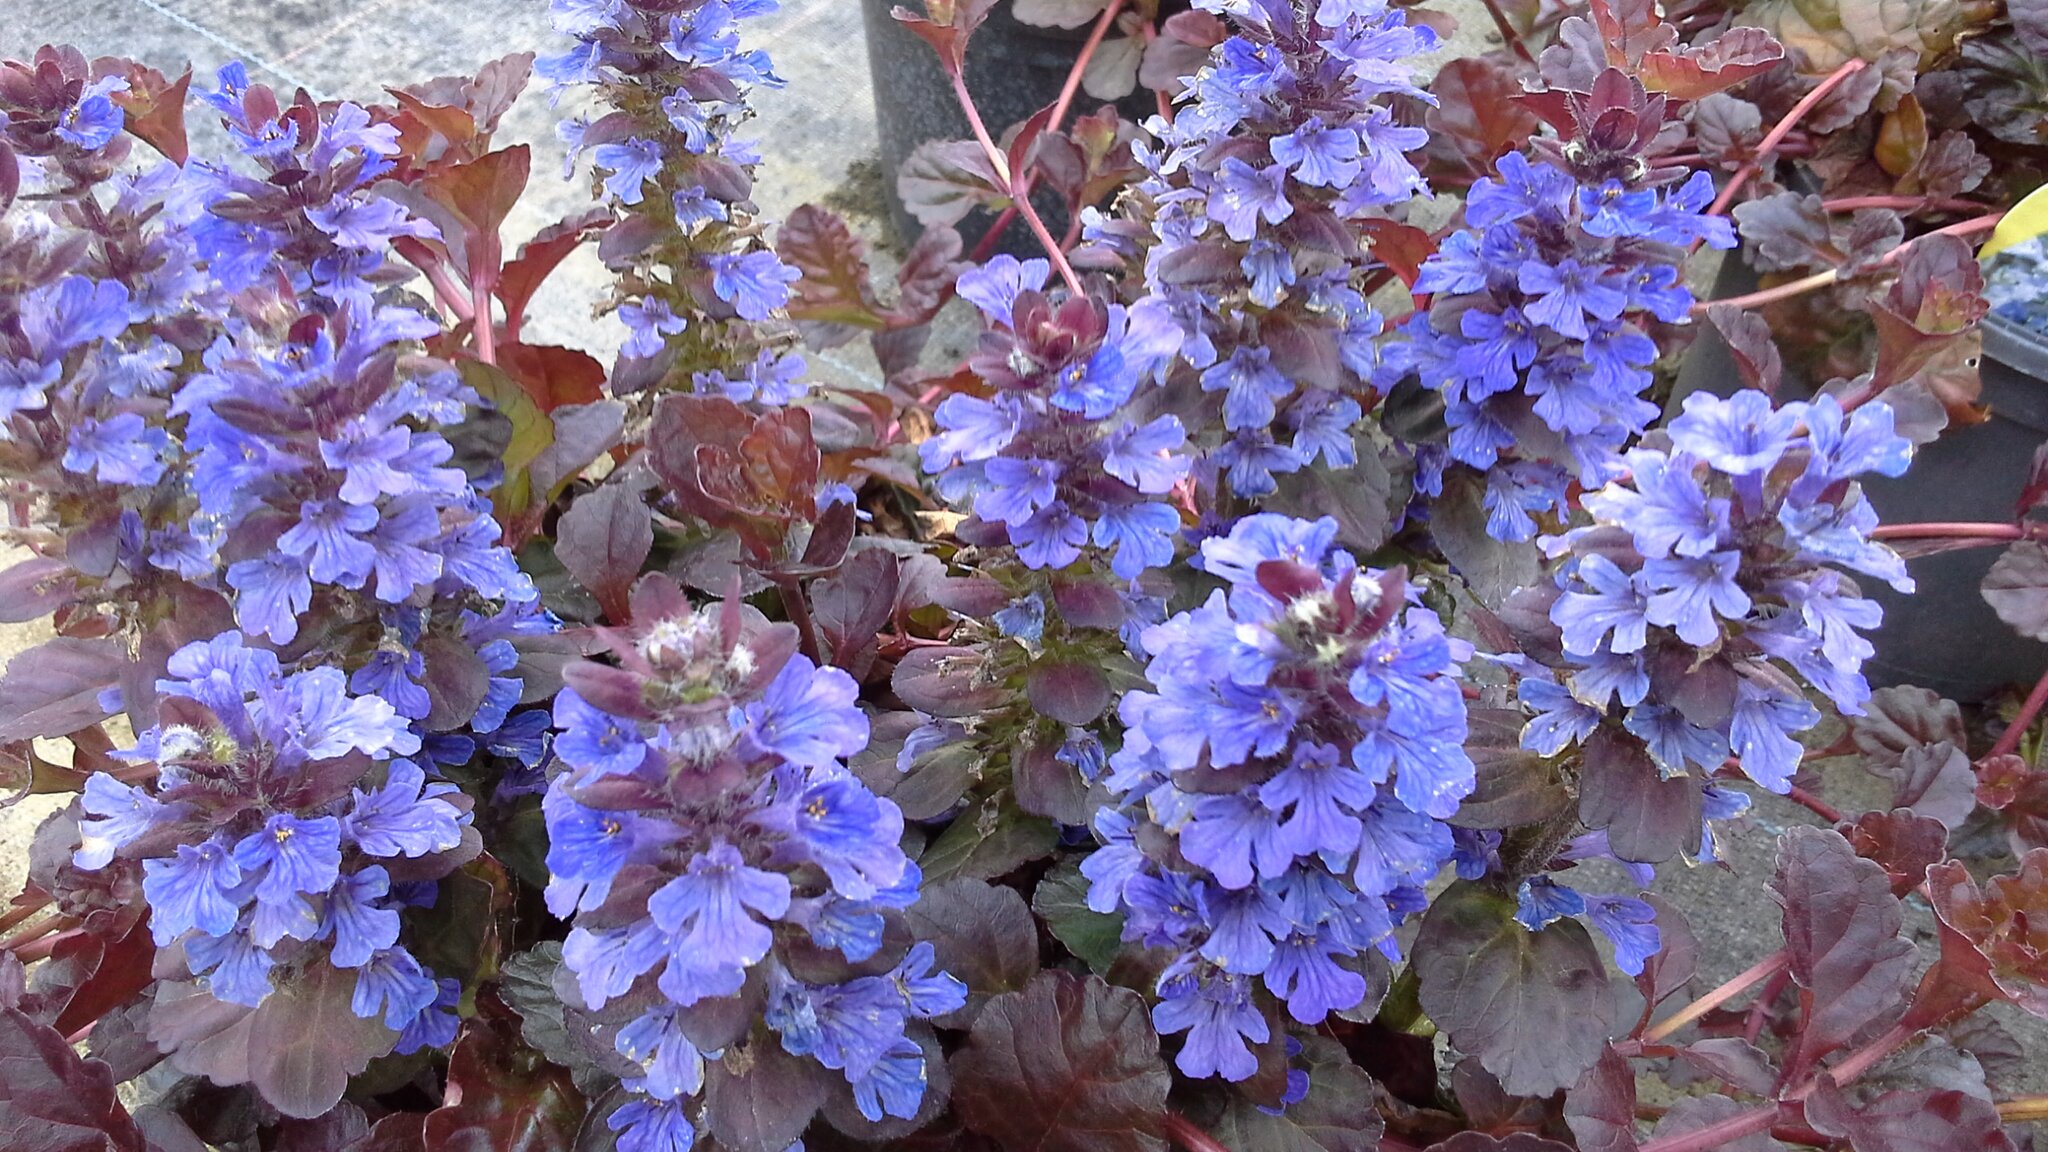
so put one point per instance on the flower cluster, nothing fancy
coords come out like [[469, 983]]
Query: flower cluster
[[283, 827], [1052, 455], [705, 824], [1302, 748], [1258, 194], [677, 82], [1712, 586], [220, 419], [1535, 334]]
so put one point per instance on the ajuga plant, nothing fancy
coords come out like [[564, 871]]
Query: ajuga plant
[[1257, 697]]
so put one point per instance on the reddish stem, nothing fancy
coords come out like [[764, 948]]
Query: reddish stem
[[1012, 185], [2010, 738], [41, 949], [1768, 966], [1908, 203], [1807, 284], [1508, 33], [1949, 531], [445, 289], [1183, 1132], [1719, 1133], [1777, 134], [17, 914], [1073, 84], [1815, 805], [486, 335], [1860, 1061]]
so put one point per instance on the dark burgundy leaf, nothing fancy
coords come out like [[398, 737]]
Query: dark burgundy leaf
[[1337, 1115], [1748, 336], [988, 839], [1358, 498], [583, 432], [603, 539], [1995, 939], [1475, 120], [456, 680], [1601, 1108], [760, 1098], [1723, 62], [983, 934], [944, 180], [1044, 785], [2016, 588], [2006, 87], [1494, 569], [834, 288], [1938, 296], [54, 688], [1482, 1142], [1733, 1061], [52, 1099], [540, 256], [853, 604], [502, 1095], [34, 588], [1675, 963], [1534, 1007], [945, 682], [298, 1049], [1905, 844], [1726, 129], [1647, 817], [1067, 691], [560, 1031], [924, 281], [1923, 1120], [1842, 938], [1065, 1065], [1902, 717], [1933, 780], [1515, 786]]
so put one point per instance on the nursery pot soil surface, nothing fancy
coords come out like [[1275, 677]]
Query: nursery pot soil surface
[[1013, 70], [1943, 636]]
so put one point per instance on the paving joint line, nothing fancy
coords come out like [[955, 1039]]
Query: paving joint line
[[234, 49]]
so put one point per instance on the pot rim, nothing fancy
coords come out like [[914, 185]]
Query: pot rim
[[2015, 346]]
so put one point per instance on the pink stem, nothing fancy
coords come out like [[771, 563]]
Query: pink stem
[[1852, 203], [1807, 284], [1778, 133], [1766, 967], [1508, 32], [445, 289], [1719, 1133], [1949, 531], [1012, 185], [1073, 84]]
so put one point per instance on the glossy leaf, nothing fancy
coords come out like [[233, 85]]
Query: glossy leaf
[[1534, 1007], [1065, 1065], [1842, 937], [1996, 937], [2016, 587], [983, 934], [502, 1094], [1601, 1107], [1647, 817], [603, 539], [1922, 1120], [52, 1099]]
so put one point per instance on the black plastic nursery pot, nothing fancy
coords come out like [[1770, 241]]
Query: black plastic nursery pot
[[1013, 70], [1944, 636]]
